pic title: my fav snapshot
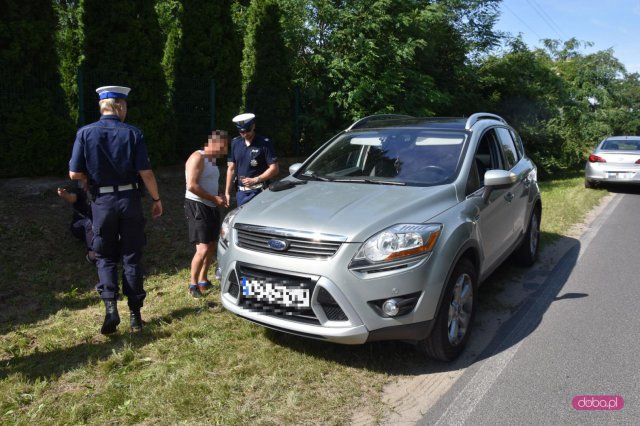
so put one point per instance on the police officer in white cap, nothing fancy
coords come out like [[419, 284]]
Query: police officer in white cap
[[252, 159], [111, 156]]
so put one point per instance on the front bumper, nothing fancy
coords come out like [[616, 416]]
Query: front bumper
[[342, 303]]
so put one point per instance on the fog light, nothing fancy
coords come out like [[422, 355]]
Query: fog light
[[390, 307], [219, 274]]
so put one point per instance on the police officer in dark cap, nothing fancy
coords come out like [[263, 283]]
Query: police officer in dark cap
[[111, 156], [252, 158]]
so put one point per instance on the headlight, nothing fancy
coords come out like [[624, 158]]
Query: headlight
[[225, 228], [397, 242]]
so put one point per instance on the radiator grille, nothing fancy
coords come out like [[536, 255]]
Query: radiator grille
[[256, 239]]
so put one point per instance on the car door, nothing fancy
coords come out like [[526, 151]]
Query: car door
[[498, 215], [520, 189]]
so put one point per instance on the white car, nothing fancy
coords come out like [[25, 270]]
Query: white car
[[615, 160]]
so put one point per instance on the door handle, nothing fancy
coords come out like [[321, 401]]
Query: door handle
[[508, 196]]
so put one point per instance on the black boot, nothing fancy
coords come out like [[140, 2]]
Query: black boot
[[111, 317], [135, 320]]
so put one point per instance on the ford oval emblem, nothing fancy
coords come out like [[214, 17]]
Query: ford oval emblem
[[280, 245]]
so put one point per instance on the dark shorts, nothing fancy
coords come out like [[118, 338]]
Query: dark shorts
[[203, 221]]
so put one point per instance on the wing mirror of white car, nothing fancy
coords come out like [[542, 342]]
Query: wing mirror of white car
[[294, 168], [495, 179]]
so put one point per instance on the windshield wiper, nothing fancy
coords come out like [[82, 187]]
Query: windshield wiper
[[316, 177], [373, 181]]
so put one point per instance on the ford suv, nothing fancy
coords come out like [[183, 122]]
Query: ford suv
[[384, 233]]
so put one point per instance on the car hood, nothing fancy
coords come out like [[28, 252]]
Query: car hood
[[353, 210]]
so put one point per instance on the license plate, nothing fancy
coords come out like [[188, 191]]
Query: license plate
[[274, 293], [621, 175]]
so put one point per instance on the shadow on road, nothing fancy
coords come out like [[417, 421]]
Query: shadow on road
[[512, 302]]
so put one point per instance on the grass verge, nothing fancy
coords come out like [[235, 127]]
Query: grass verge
[[194, 363], [565, 202]]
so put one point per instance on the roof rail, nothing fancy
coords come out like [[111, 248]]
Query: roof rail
[[474, 118], [376, 117]]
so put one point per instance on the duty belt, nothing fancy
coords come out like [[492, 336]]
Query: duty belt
[[250, 188], [117, 188]]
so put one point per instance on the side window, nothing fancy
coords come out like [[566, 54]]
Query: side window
[[489, 152], [511, 154], [518, 141], [487, 156]]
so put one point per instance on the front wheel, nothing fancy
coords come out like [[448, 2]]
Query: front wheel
[[455, 315], [527, 253]]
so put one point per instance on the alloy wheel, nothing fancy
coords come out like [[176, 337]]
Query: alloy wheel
[[534, 236], [460, 309]]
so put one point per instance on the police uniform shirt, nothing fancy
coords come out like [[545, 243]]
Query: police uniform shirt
[[110, 152], [254, 159]]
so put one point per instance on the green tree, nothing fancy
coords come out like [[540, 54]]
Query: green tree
[[123, 46], [209, 51], [363, 57], [266, 73], [561, 100], [627, 121], [595, 108], [169, 18], [522, 86], [69, 37], [35, 129]]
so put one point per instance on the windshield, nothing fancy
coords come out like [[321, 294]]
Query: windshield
[[389, 156]]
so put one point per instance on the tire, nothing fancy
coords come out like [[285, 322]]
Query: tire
[[588, 184], [527, 253], [454, 320]]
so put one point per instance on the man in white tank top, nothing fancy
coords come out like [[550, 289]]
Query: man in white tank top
[[201, 204]]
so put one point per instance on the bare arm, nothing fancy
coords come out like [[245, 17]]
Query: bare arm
[[77, 176], [194, 168], [231, 172], [271, 172], [149, 179]]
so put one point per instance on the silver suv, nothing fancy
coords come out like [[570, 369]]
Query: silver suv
[[384, 233]]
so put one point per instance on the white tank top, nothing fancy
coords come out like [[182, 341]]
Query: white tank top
[[208, 181]]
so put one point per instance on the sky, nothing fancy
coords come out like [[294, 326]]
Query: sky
[[607, 23]]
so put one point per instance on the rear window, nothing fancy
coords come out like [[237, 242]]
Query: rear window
[[621, 145]]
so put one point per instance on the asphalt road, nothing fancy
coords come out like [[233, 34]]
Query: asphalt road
[[579, 334]]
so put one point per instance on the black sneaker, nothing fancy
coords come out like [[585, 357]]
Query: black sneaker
[[195, 292]]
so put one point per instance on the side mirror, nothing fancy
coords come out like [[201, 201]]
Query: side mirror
[[294, 168], [495, 178]]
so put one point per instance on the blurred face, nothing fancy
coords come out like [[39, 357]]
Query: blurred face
[[216, 146]]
